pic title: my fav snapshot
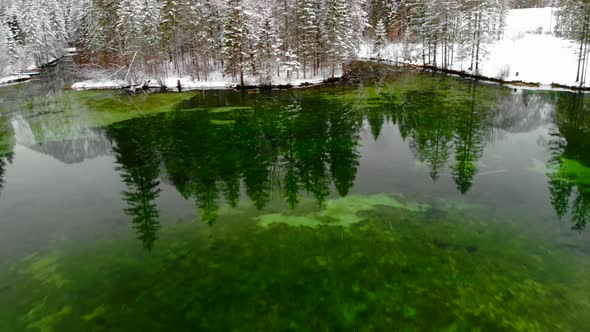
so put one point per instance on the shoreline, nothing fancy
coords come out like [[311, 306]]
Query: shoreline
[[185, 85], [485, 79], [148, 86], [190, 85], [33, 71]]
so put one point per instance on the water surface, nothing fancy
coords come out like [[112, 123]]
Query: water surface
[[404, 201]]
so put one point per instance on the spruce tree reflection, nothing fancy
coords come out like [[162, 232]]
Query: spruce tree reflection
[[257, 154], [193, 157], [569, 183], [137, 161], [434, 122], [560, 190], [376, 119], [311, 146], [469, 140], [344, 137], [581, 211], [280, 146], [7, 143], [427, 121], [288, 162]]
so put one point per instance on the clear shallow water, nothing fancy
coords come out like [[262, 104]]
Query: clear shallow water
[[406, 202]]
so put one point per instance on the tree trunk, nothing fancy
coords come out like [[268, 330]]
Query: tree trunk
[[580, 54], [478, 44]]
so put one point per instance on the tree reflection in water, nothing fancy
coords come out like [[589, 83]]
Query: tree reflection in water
[[298, 143], [7, 143], [569, 172]]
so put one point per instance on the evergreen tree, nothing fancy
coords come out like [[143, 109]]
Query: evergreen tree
[[235, 44], [574, 23], [268, 48], [309, 34], [380, 39], [97, 30], [8, 50], [136, 26], [340, 37]]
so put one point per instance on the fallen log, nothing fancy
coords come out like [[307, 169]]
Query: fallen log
[[133, 89]]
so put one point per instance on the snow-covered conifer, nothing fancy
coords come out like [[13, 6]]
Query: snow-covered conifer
[[235, 45], [574, 22], [380, 38]]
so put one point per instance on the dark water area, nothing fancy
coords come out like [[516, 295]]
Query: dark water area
[[400, 201]]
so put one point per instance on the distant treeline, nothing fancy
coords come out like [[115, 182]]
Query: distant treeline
[[262, 39]]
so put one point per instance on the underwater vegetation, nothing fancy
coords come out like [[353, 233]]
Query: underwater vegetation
[[569, 170], [574, 171], [340, 212], [285, 234], [293, 143], [571, 179], [397, 268]]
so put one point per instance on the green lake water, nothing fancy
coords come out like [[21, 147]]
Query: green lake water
[[401, 201]]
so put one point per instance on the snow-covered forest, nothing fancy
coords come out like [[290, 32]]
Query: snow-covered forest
[[261, 41]]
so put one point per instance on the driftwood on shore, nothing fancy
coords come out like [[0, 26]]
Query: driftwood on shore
[[287, 86], [132, 89], [261, 87]]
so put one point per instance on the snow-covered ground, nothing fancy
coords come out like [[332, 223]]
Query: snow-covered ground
[[528, 51], [216, 81], [25, 69], [13, 78]]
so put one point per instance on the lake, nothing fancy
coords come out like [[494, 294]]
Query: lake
[[399, 201]]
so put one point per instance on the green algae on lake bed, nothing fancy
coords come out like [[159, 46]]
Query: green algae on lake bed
[[297, 210], [573, 171], [396, 269], [340, 212]]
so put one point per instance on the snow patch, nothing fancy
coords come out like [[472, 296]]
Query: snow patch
[[14, 78], [530, 20], [98, 85], [216, 82], [529, 51]]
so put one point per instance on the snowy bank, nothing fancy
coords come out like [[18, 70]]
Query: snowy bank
[[26, 69], [529, 51], [171, 83], [188, 83], [14, 78], [98, 85]]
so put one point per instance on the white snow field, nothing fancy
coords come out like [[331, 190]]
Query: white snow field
[[529, 51], [188, 83], [171, 83]]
